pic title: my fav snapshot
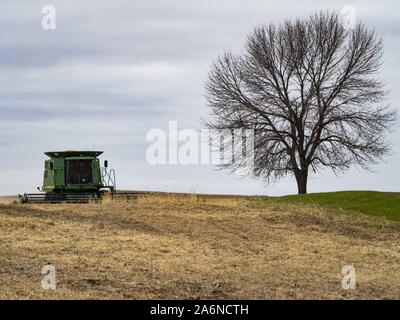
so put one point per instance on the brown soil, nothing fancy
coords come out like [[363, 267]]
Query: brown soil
[[195, 247]]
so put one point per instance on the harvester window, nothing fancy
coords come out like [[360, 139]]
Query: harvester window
[[78, 171], [51, 165]]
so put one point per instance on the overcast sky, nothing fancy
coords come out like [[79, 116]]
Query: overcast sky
[[112, 70]]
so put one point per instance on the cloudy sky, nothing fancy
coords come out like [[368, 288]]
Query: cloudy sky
[[112, 70]]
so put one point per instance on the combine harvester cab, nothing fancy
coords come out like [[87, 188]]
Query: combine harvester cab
[[73, 177]]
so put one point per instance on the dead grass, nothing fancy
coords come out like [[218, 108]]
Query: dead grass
[[195, 247], [8, 199]]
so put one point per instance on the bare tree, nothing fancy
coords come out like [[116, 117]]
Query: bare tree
[[309, 89]]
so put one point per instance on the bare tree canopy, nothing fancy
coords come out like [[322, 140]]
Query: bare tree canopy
[[309, 89]]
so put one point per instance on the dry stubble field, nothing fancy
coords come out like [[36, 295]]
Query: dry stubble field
[[190, 248]]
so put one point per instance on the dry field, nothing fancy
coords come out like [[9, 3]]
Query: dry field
[[191, 248]]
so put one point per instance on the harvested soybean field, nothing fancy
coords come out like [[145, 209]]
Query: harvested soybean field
[[196, 248]]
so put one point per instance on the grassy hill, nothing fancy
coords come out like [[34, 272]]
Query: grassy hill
[[386, 204]]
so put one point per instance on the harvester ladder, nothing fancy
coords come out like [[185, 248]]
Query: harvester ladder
[[108, 179]]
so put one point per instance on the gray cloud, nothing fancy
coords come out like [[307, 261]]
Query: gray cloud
[[111, 71]]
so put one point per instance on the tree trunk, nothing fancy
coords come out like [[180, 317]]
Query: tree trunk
[[301, 178]]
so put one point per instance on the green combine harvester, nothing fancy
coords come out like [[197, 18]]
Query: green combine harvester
[[76, 177]]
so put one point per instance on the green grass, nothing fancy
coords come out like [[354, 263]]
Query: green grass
[[384, 204]]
